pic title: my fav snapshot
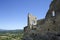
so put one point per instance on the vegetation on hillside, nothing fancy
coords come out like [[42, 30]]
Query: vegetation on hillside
[[11, 35]]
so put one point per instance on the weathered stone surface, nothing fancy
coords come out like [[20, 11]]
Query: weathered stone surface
[[32, 20], [47, 28], [54, 20]]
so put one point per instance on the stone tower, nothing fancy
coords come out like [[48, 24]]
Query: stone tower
[[32, 20]]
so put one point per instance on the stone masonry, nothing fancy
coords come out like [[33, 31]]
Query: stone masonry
[[32, 20], [47, 28]]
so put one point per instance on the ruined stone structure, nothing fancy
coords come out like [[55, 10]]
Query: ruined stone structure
[[32, 20], [32, 24], [53, 15], [47, 28], [52, 18]]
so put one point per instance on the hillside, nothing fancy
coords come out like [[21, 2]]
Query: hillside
[[11, 34]]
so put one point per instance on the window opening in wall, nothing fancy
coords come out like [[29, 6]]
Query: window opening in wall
[[53, 13], [33, 22]]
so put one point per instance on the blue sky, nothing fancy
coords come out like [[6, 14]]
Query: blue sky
[[13, 13]]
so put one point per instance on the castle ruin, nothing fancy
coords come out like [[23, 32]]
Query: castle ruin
[[50, 24], [32, 20]]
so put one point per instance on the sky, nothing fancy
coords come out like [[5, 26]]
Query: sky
[[13, 13]]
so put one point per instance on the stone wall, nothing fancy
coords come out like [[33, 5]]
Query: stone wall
[[54, 20], [32, 20], [47, 28]]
